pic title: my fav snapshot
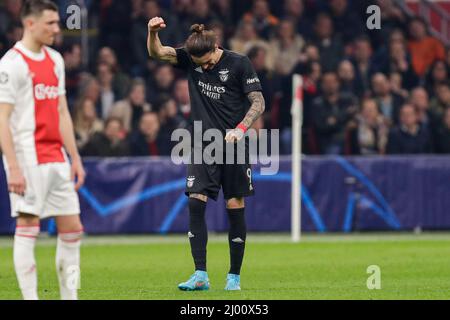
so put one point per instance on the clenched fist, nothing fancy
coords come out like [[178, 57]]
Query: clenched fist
[[16, 182], [234, 135], [155, 24]]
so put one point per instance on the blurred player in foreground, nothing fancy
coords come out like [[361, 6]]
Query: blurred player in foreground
[[225, 94], [35, 124]]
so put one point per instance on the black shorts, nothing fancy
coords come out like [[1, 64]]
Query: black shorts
[[235, 179]]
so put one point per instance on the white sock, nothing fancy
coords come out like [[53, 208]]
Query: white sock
[[68, 264], [24, 261]]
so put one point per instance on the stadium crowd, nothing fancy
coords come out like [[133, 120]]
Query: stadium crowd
[[366, 91]]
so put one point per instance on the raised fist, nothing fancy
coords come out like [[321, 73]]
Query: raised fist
[[156, 24]]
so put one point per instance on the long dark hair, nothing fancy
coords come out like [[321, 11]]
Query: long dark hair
[[201, 41]]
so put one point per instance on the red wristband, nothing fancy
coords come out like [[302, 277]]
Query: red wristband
[[242, 127]]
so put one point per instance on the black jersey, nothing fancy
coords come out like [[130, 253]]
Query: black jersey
[[219, 96]]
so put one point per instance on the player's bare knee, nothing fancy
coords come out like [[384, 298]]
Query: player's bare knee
[[235, 203], [69, 224], [198, 196], [27, 220]]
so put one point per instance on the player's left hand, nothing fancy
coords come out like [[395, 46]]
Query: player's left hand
[[77, 171], [234, 135]]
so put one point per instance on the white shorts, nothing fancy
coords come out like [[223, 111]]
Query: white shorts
[[49, 192]]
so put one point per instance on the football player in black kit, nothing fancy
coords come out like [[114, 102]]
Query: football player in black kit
[[225, 94]]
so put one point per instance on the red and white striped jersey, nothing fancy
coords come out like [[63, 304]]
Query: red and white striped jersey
[[32, 83]]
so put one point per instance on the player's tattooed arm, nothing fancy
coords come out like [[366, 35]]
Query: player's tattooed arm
[[257, 108], [154, 46]]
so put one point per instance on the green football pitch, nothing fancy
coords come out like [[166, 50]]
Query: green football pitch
[[320, 267]]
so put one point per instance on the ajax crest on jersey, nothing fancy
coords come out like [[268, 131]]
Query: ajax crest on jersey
[[3, 77], [223, 75]]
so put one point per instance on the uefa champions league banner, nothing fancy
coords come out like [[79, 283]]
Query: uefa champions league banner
[[338, 194]]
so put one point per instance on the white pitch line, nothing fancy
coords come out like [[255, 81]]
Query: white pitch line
[[88, 240]]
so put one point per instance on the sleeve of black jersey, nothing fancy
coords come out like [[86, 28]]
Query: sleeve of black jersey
[[183, 59], [249, 78]]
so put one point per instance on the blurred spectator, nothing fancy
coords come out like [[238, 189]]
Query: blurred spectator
[[109, 143], [219, 31], [294, 10], [13, 35], [161, 83], [309, 53], [424, 49], [9, 14], [169, 117], [89, 88], [257, 56], [448, 57], [86, 122], [330, 46], [426, 117], [399, 61], [395, 81], [438, 72], [171, 35], [181, 94], [331, 112], [107, 94], [247, 38], [381, 53], [121, 81], [136, 8], [286, 47], [224, 13], [441, 100], [442, 139], [131, 109], [72, 60], [261, 18], [114, 25], [346, 75], [312, 74], [392, 18], [346, 21], [388, 102], [200, 13], [181, 9], [409, 137], [146, 140], [362, 55], [370, 133]]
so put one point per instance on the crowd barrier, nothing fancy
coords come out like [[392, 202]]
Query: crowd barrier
[[339, 194]]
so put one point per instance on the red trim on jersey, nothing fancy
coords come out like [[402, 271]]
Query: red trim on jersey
[[47, 136]]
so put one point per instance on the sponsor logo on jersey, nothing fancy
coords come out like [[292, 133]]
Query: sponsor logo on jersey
[[252, 80], [199, 69], [43, 92], [213, 92], [4, 78], [190, 182], [223, 75]]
